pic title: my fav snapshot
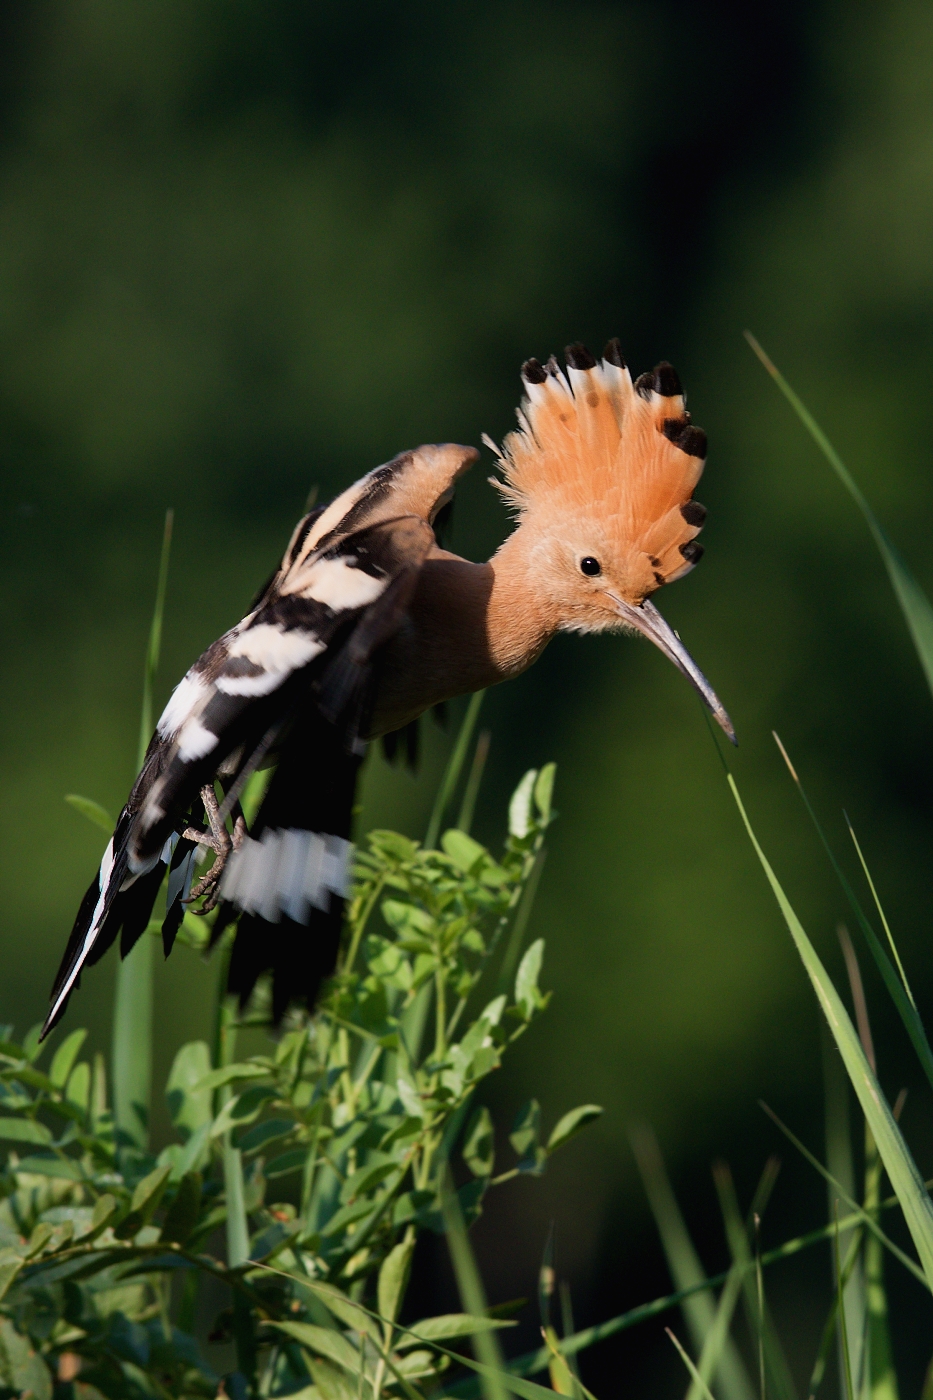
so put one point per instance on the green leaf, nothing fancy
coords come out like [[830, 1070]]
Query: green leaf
[[407, 919], [572, 1123], [527, 996], [149, 1191], [479, 1148], [32, 1046], [65, 1056], [915, 605], [21, 1369], [520, 818], [324, 1341], [331, 1382], [498, 1377], [412, 1102], [363, 1181], [10, 1265], [78, 1089], [184, 1211], [899, 1164], [24, 1130], [544, 792], [463, 850], [447, 1325], [344, 1309], [287, 1162], [189, 1103], [105, 1208], [145, 1199], [393, 1279], [194, 1153], [93, 811], [227, 1074], [270, 1131], [525, 1136], [63, 1167], [347, 1215]]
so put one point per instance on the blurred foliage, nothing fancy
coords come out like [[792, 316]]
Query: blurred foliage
[[355, 1103], [245, 250]]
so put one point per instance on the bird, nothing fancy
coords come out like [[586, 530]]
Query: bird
[[366, 624]]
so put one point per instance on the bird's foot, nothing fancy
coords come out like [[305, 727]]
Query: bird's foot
[[221, 842]]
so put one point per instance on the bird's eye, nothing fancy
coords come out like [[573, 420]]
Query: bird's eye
[[590, 566]]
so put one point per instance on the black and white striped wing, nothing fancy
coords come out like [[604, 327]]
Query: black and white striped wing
[[302, 658]]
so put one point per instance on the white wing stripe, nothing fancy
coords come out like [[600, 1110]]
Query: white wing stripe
[[339, 584], [185, 702], [287, 872], [90, 938]]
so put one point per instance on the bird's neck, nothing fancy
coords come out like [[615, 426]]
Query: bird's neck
[[519, 620], [469, 626]]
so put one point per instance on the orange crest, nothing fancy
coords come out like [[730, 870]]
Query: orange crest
[[592, 443]]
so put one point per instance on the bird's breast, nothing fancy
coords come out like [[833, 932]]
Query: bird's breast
[[455, 638]]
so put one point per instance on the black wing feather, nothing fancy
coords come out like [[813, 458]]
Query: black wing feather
[[300, 664]]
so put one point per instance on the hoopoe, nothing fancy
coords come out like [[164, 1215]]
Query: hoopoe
[[368, 623]]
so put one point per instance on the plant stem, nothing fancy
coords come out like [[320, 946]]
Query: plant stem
[[440, 1036], [132, 1018], [452, 771], [132, 1043], [237, 1228]]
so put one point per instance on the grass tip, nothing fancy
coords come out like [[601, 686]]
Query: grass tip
[[786, 756]]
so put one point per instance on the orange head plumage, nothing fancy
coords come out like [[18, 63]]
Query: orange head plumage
[[601, 473]]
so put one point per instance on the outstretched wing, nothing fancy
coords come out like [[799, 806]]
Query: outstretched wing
[[302, 658]]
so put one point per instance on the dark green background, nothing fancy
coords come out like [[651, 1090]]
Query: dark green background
[[246, 248]]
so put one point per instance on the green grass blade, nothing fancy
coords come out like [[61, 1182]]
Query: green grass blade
[[898, 1163], [718, 1343], [155, 640], [838, 1135], [452, 772], [699, 1309], [131, 1045], [487, 1350], [132, 1017], [771, 1360], [841, 1314], [474, 779], [915, 605], [906, 1009], [882, 1377], [520, 923], [530, 1362], [237, 1224], [91, 811], [829, 1327], [859, 1215], [697, 1380], [881, 914]]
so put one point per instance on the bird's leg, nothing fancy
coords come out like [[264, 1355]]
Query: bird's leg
[[220, 841]]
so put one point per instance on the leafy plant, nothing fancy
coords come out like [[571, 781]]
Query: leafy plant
[[353, 1118]]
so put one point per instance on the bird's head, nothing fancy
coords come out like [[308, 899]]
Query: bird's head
[[601, 474]]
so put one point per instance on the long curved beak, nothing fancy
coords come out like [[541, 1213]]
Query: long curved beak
[[647, 620]]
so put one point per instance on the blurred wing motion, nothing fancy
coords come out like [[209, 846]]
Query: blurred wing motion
[[294, 680]]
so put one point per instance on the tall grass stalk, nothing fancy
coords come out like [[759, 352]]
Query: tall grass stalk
[[699, 1309], [452, 772], [470, 1285], [131, 1055], [898, 1163], [915, 605]]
